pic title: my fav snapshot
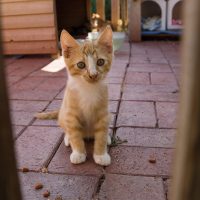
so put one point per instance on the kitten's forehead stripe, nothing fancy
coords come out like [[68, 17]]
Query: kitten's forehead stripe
[[88, 48]]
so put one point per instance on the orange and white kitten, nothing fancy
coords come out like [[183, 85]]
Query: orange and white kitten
[[84, 110]]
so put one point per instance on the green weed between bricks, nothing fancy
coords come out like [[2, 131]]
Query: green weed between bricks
[[116, 140]]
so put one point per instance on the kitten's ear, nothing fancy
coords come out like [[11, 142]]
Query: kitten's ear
[[106, 39], [67, 43]]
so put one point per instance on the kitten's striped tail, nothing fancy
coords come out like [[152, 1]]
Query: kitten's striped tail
[[47, 115]]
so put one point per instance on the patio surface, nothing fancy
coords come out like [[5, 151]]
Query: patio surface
[[144, 95]]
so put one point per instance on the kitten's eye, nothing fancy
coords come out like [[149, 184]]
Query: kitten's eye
[[100, 62], [81, 65]]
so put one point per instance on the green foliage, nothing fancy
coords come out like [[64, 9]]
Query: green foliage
[[107, 8], [93, 6], [116, 140]]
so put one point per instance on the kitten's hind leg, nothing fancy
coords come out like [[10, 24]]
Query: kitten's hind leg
[[66, 140], [108, 139]]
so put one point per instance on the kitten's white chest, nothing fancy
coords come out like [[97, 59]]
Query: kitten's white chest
[[89, 97]]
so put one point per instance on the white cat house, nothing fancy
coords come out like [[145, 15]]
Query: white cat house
[[174, 19], [154, 8]]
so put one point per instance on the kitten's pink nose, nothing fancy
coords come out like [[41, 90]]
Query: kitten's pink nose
[[93, 76]]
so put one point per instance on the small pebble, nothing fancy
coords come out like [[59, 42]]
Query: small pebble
[[25, 169], [152, 160], [175, 91], [46, 193], [38, 186]]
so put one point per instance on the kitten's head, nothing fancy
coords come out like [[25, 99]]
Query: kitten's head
[[90, 60]]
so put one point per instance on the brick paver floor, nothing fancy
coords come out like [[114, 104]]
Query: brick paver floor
[[144, 96]]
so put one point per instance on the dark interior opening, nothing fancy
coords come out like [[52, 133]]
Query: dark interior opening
[[151, 16], [177, 11], [150, 9], [72, 16]]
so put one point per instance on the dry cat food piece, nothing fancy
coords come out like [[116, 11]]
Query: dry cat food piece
[[58, 198], [44, 170], [38, 186], [25, 169], [152, 159], [46, 193]]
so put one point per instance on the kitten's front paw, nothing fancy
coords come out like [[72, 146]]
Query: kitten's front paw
[[77, 157], [104, 159]]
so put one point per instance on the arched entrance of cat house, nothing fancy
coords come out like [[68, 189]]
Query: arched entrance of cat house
[[153, 15], [174, 20], [72, 16]]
